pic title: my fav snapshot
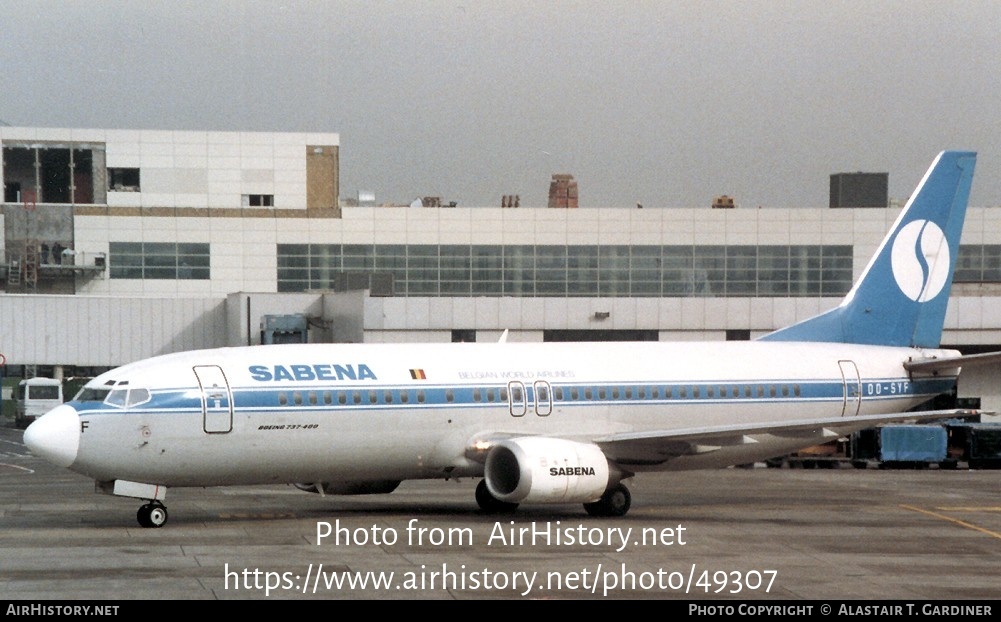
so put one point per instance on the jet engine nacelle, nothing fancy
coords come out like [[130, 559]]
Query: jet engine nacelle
[[536, 469], [351, 488]]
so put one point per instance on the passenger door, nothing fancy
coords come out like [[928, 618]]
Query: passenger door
[[853, 388], [217, 399]]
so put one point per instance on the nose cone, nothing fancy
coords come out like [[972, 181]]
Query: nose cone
[[55, 436]]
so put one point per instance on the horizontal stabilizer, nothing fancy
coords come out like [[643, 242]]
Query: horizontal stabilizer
[[937, 364]]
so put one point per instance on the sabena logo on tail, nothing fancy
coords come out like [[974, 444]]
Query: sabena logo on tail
[[920, 260]]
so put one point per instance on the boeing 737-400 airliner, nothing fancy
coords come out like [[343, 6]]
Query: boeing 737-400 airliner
[[539, 422]]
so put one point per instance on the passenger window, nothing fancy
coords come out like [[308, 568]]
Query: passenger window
[[420, 397], [405, 397], [312, 398], [389, 397], [328, 398], [477, 395], [449, 396], [282, 398], [297, 398], [342, 398]]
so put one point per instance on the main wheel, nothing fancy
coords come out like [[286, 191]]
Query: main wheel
[[491, 504], [615, 502], [152, 515], [157, 514]]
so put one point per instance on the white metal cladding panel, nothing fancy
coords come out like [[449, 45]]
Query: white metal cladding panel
[[693, 313], [623, 312], [82, 330], [487, 312], [125, 199], [290, 200], [762, 314], [123, 334], [463, 312], [389, 336], [974, 317], [647, 312], [459, 235], [440, 314], [418, 313], [967, 313], [89, 135], [737, 312], [669, 312]]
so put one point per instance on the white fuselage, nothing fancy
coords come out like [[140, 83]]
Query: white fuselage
[[320, 413]]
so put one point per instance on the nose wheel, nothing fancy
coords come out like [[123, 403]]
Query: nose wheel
[[152, 515]]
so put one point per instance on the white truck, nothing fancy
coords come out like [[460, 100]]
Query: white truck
[[35, 397]]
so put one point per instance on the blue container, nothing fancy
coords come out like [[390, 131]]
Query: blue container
[[913, 443]]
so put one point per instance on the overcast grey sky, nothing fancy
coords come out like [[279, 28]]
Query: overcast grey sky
[[665, 103]]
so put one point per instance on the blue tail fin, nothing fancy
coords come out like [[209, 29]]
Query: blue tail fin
[[901, 297]]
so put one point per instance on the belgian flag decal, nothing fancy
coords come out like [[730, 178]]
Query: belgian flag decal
[[417, 374]]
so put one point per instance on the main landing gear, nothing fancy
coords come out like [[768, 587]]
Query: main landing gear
[[615, 502], [491, 504], [152, 514]]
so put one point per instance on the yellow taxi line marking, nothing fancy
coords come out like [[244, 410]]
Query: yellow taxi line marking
[[993, 534]]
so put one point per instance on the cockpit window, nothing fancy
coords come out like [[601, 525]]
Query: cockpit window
[[88, 394], [117, 397], [138, 396]]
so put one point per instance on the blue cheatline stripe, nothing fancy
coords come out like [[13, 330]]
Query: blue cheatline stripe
[[391, 397]]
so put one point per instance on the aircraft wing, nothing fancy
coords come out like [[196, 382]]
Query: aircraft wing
[[656, 447]]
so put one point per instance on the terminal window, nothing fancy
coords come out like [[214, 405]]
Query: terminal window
[[123, 179], [574, 270], [159, 260], [258, 200]]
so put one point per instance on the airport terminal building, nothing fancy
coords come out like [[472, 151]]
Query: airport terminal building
[[122, 244]]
